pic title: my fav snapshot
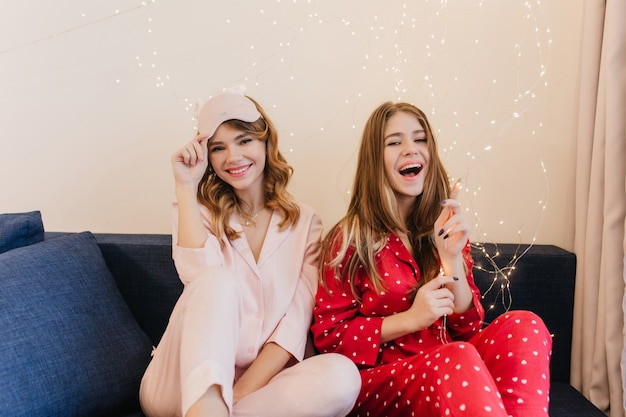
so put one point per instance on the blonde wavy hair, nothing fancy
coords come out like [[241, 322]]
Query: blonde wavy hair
[[373, 214], [219, 197]]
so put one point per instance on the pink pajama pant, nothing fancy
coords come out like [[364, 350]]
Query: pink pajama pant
[[199, 349], [502, 371]]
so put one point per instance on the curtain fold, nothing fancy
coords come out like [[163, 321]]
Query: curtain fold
[[600, 245]]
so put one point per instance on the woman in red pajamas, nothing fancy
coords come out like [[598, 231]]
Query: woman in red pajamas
[[398, 296]]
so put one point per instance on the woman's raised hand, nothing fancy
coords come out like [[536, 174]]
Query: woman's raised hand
[[190, 162], [452, 229]]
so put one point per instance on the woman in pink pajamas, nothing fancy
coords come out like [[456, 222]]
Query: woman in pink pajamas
[[247, 255], [398, 296]]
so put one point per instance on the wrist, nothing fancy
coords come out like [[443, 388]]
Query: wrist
[[454, 267], [185, 188], [397, 325], [409, 321]]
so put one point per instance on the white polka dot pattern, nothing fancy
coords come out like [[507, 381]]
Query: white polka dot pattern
[[501, 370]]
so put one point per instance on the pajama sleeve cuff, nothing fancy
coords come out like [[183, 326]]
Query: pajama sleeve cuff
[[192, 262]]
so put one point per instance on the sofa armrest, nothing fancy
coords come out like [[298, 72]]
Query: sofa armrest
[[541, 280]]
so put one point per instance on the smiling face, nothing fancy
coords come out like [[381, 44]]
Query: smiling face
[[237, 157], [406, 156]]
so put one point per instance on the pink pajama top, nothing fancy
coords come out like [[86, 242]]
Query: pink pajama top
[[277, 291], [344, 325]]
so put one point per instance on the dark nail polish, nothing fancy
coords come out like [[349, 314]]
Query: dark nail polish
[[441, 232], [445, 237], [455, 278]]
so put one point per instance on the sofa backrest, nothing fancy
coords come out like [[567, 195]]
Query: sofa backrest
[[539, 278], [143, 268]]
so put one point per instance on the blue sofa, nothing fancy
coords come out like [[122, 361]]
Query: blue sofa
[[80, 312]]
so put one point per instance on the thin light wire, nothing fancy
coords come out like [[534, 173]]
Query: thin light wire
[[72, 29]]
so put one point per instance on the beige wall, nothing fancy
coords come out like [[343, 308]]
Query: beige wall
[[95, 99]]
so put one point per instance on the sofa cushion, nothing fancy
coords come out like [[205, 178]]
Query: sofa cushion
[[68, 342], [20, 229], [566, 401]]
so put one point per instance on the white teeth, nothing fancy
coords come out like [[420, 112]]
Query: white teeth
[[238, 171], [410, 166]]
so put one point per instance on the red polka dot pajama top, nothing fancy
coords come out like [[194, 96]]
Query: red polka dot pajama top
[[452, 368]]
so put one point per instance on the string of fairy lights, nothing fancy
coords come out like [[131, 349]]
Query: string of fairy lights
[[474, 104]]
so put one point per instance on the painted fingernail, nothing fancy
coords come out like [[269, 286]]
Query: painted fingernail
[[446, 236], [442, 203], [441, 232], [455, 278]]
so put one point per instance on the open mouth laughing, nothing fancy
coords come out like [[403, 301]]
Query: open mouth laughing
[[410, 170]]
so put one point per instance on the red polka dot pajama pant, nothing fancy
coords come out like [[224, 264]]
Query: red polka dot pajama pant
[[502, 371]]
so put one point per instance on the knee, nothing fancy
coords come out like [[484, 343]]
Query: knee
[[339, 370], [215, 282], [524, 324], [455, 350], [339, 377], [523, 319], [216, 290]]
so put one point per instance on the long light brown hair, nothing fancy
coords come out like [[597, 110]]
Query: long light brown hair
[[373, 213], [220, 198]]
